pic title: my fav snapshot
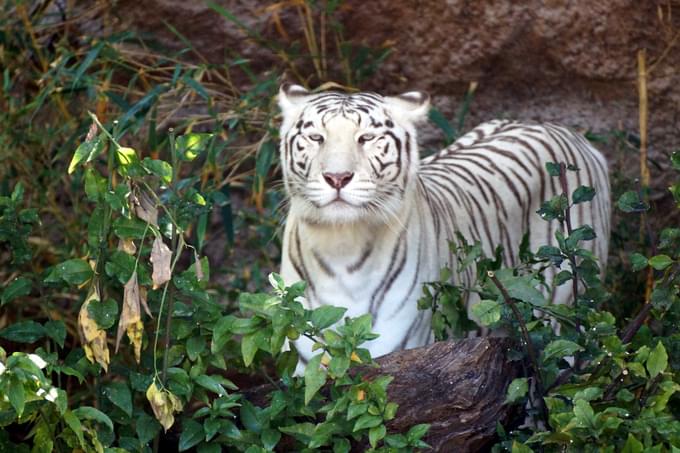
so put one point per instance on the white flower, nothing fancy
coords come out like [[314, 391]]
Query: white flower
[[2, 368], [40, 392], [52, 395], [39, 362]]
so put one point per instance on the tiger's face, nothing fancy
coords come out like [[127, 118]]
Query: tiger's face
[[349, 157]]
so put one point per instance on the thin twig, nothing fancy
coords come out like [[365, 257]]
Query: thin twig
[[527, 340]]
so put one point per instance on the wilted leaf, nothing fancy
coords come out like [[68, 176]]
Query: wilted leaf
[[160, 258], [164, 404], [127, 246], [145, 208], [92, 337], [198, 267], [130, 316]]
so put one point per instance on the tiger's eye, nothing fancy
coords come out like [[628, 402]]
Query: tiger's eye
[[316, 137], [366, 138]]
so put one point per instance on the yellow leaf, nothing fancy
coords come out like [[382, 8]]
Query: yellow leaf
[[361, 395], [91, 336], [130, 316], [325, 360], [163, 404], [354, 357], [160, 258]]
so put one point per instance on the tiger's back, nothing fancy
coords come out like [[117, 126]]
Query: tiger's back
[[369, 221], [489, 184]]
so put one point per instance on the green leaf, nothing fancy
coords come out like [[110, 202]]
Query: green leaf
[[195, 347], [87, 151], [315, 378], [675, 160], [487, 311], [95, 185], [632, 445], [73, 272], [630, 202], [553, 168], [56, 330], [657, 360], [367, 421], [660, 262], [160, 168], [638, 261], [662, 297], [520, 448], [20, 286], [517, 389], [582, 194], [270, 437], [549, 252], [416, 432], [23, 332], [16, 395], [119, 394], [192, 434], [208, 448], [442, 123], [90, 413], [559, 349], [73, 422], [584, 233], [522, 288], [126, 228], [95, 227], [376, 434], [211, 384], [249, 347], [147, 427], [562, 277], [189, 146], [625, 395], [326, 316], [585, 416], [104, 313]]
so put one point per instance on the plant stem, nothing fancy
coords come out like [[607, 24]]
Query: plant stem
[[572, 258], [527, 340], [176, 251]]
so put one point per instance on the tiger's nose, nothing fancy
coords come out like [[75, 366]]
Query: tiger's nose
[[338, 180]]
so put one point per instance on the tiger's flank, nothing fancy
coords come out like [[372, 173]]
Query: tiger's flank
[[369, 222]]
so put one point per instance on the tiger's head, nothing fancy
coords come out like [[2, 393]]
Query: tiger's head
[[349, 157]]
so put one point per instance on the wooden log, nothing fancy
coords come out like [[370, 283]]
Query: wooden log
[[457, 386]]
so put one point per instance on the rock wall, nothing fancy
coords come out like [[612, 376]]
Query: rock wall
[[566, 61]]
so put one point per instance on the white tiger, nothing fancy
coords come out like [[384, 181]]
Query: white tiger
[[369, 222]]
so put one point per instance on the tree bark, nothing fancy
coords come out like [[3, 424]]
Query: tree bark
[[458, 387]]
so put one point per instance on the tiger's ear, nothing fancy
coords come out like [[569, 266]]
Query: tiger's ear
[[291, 99], [412, 106]]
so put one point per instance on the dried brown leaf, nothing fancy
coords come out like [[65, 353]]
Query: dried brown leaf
[[145, 208], [160, 258], [163, 404], [91, 336], [130, 316], [142, 299], [199, 269]]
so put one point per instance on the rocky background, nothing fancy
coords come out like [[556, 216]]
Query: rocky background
[[568, 61]]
